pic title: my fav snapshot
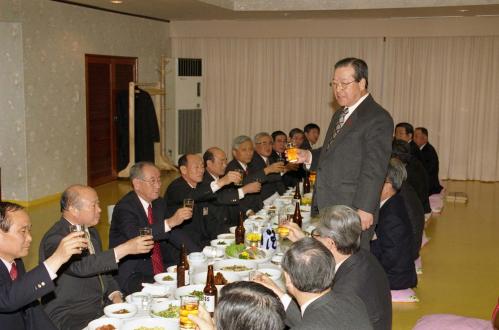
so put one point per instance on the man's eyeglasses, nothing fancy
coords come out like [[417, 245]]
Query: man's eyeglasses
[[340, 85], [152, 181], [315, 233], [265, 143]]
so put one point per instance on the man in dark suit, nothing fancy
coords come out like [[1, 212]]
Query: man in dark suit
[[312, 132], [84, 284], [358, 272], [430, 159], [272, 185], [405, 132], [351, 165], [19, 290], [316, 305], [242, 151], [224, 208], [280, 140], [394, 243], [132, 213], [190, 186]]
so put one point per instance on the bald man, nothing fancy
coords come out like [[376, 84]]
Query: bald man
[[84, 285]]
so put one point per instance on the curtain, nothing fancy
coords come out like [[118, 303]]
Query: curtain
[[447, 84]]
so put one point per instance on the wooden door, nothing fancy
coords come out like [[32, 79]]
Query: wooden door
[[106, 76]]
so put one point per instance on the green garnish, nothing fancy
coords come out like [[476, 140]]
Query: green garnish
[[198, 294], [234, 250], [167, 278], [171, 312]]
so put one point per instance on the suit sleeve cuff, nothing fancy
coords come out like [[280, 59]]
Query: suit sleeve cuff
[[214, 186], [167, 228], [51, 273], [240, 192]]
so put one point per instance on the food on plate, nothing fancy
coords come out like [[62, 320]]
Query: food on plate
[[121, 311], [106, 327], [168, 278], [220, 279], [150, 328], [233, 250], [171, 312], [221, 243], [236, 268], [198, 294], [252, 254]]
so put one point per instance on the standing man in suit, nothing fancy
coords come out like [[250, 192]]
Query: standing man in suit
[[224, 209], [317, 306], [19, 290], [357, 271], [143, 207], [430, 159], [351, 165], [84, 284], [394, 243]]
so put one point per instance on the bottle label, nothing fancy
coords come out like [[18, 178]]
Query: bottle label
[[187, 282], [209, 303]]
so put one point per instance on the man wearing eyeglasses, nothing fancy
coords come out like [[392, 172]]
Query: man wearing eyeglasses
[[352, 163], [272, 185], [143, 207]]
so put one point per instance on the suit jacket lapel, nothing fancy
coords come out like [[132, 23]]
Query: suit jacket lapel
[[138, 205]]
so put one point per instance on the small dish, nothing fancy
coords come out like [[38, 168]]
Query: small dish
[[166, 278], [104, 321], [120, 311]]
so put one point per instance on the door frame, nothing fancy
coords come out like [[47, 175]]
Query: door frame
[[112, 60]]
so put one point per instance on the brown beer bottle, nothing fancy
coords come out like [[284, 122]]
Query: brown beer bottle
[[297, 218], [183, 268], [210, 291], [306, 183], [240, 231], [297, 195]]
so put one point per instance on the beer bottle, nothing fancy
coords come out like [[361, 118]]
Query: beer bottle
[[240, 231], [183, 268], [297, 195], [210, 291], [306, 183], [297, 218]]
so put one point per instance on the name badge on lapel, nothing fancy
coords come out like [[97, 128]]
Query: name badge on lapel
[[205, 211]]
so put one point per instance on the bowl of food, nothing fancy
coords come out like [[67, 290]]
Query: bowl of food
[[239, 266], [105, 323], [172, 269], [191, 290], [156, 290], [121, 310], [222, 243], [166, 278], [273, 273], [221, 278], [167, 309], [227, 235], [152, 323]]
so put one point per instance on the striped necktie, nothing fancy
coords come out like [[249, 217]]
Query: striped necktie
[[339, 125]]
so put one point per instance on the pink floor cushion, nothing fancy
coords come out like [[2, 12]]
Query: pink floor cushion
[[407, 295], [451, 322]]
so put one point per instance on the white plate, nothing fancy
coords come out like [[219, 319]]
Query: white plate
[[166, 324], [104, 321], [200, 278], [229, 236], [110, 309], [159, 278], [186, 290], [156, 290], [227, 241], [250, 264], [172, 269], [164, 305], [258, 261], [274, 274]]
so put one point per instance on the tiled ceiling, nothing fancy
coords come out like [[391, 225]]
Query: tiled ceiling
[[172, 10]]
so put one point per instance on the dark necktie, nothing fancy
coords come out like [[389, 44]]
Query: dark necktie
[[157, 263], [91, 250], [13, 271], [339, 125]]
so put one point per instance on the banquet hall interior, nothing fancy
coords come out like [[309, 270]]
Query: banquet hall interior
[[266, 66]]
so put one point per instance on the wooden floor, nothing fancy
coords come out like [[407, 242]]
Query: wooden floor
[[460, 263]]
